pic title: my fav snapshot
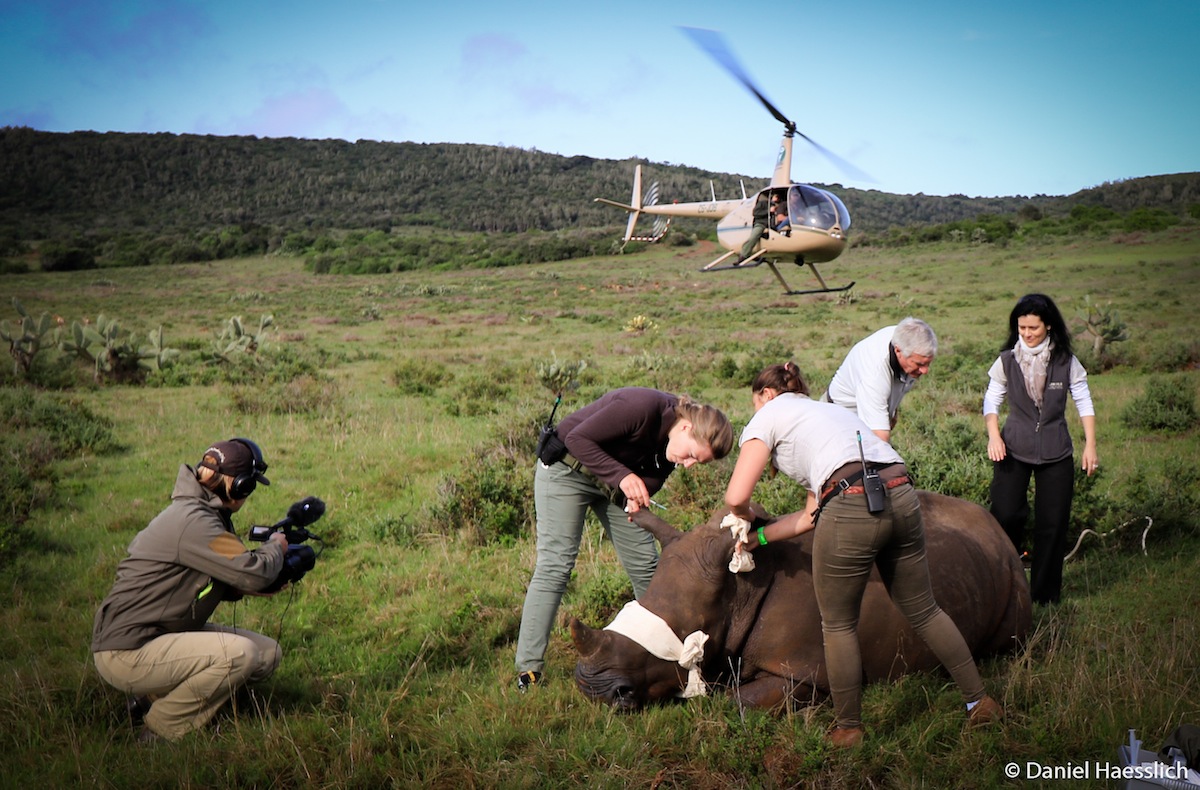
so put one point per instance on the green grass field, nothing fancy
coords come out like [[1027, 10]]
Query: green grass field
[[417, 394]]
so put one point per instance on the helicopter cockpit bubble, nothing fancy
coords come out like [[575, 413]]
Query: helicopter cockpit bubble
[[816, 208]]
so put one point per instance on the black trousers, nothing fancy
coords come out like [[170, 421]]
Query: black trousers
[[1053, 488]]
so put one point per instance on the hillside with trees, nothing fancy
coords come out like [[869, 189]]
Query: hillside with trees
[[88, 198]]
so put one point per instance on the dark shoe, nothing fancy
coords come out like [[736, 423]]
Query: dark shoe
[[986, 711], [137, 708], [527, 679], [147, 737], [846, 737]]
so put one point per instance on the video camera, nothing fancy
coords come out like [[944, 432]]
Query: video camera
[[299, 559]]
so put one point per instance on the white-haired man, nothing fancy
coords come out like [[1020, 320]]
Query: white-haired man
[[880, 370]]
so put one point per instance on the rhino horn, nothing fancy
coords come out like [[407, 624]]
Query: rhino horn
[[587, 639], [663, 532]]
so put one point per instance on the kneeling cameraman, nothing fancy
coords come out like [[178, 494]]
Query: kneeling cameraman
[[151, 638]]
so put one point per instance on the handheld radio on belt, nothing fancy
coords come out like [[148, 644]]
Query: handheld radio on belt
[[872, 485], [547, 434]]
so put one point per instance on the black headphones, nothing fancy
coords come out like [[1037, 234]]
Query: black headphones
[[244, 485]]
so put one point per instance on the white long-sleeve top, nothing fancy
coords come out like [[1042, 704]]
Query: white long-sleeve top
[[997, 389]]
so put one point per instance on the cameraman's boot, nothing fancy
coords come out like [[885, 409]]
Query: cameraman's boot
[[137, 708]]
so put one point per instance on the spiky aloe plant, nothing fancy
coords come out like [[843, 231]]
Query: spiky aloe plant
[[237, 339], [113, 353], [27, 339]]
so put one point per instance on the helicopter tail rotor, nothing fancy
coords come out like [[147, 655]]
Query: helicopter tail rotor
[[638, 202], [648, 200]]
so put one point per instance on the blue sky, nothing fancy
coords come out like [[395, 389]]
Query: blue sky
[[940, 97]]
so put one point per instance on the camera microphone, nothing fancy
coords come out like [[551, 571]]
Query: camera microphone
[[298, 560], [300, 515]]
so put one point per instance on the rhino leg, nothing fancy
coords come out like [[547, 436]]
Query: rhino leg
[[772, 692]]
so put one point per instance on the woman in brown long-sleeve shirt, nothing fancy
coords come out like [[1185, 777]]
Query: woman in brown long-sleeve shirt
[[612, 456]]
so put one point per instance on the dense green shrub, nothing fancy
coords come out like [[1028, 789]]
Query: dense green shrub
[[771, 351], [480, 392], [1149, 220], [950, 457], [1168, 404], [401, 529], [693, 495], [1165, 490], [597, 602], [379, 252], [307, 394], [65, 256], [1169, 356], [490, 500], [420, 376], [36, 430], [726, 368]]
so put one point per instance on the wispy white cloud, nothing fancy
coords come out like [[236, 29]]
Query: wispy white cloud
[[489, 53], [310, 112]]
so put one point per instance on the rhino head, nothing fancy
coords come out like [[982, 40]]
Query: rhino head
[[613, 668], [688, 591]]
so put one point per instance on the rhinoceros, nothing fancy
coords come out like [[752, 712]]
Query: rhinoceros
[[763, 628]]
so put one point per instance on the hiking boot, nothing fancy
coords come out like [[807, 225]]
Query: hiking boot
[[526, 679], [986, 711], [845, 737], [148, 737], [137, 708]]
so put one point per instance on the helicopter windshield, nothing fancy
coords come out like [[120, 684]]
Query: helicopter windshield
[[816, 208]]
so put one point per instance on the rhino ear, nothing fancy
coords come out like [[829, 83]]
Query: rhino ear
[[663, 532], [587, 640]]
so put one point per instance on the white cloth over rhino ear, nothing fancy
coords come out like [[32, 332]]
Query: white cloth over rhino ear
[[652, 632], [739, 528]]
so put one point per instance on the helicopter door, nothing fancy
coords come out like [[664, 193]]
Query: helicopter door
[[816, 209]]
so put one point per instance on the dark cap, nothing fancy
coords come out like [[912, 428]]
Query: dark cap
[[236, 458]]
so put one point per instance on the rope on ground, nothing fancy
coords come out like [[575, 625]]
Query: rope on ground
[[1149, 523]]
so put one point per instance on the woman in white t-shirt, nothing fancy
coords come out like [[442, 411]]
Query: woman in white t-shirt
[[818, 445]]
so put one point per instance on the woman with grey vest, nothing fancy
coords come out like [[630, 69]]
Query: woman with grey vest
[[1036, 371]]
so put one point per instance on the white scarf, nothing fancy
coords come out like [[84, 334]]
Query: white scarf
[[1034, 363]]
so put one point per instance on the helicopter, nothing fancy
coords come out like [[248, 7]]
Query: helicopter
[[807, 224]]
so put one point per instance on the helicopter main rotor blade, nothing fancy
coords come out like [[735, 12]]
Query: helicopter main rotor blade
[[713, 43], [838, 162]]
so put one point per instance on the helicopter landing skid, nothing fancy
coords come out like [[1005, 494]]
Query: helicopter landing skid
[[824, 289]]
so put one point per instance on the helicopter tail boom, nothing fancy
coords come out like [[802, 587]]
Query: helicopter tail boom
[[639, 204]]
